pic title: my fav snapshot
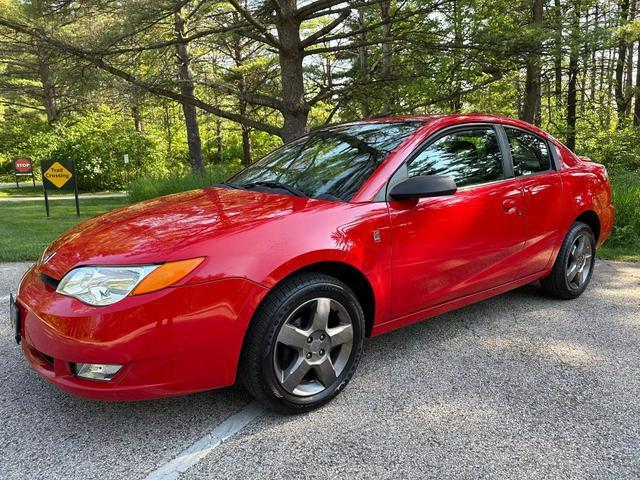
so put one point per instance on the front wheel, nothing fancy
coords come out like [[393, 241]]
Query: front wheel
[[574, 265], [304, 343]]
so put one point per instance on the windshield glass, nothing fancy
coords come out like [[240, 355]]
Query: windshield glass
[[331, 164]]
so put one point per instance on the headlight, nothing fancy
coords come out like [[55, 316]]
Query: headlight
[[106, 285], [102, 285]]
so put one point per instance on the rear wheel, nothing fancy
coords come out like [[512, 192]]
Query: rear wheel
[[304, 343], [574, 265]]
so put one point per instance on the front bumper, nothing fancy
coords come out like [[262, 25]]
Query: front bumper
[[176, 341]]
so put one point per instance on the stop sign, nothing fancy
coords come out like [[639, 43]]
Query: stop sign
[[23, 165]]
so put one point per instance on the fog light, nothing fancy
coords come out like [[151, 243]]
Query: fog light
[[96, 371]]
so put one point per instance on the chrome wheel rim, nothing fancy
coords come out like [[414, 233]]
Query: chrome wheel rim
[[313, 347], [579, 262]]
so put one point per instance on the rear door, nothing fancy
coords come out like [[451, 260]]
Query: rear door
[[535, 169], [451, 246]]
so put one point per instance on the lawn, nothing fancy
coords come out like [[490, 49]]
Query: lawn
[[28, 191], [25, 230]]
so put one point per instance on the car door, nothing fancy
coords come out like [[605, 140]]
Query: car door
[[451, 246], [535, 169]]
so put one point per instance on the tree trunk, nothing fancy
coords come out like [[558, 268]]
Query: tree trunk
[[50, 98], [137, 118], [291, 54], [620, 64], [572, 93], [187, 88], [636, 107], [628, 87], [531, 108], [458, 41], [167, 127], [363, 56], [387, 60], [557, 58]]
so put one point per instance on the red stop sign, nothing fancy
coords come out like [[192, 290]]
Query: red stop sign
[[23, 165]]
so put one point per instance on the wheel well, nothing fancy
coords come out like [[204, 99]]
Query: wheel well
[[354, 279], [591, 218]]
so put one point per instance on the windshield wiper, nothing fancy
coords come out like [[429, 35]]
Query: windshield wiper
[[282, 186], [231, 185]]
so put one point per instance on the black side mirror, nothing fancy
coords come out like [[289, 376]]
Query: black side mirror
[[423, 186]]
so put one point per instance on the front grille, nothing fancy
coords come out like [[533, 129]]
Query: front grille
[[50, 281], [46, 358]]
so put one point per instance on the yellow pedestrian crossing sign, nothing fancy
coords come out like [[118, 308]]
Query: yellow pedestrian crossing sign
[[58, 175]]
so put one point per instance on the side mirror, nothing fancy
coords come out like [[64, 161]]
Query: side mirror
[[423, 186]]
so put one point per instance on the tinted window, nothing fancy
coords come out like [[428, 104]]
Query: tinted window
[[332, 163], [469, 156], [529, 152]]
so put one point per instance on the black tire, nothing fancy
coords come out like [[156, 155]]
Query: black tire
[[259, 364], [558, 283]]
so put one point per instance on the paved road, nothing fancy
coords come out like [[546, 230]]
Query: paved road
[[519, 386]]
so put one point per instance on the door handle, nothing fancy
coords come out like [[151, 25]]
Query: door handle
[[510, 207]]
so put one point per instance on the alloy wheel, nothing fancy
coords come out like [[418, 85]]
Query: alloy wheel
[[313, 347], [579, 261]]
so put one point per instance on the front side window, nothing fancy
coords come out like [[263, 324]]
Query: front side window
[[470, 156], [330, 164], [529, 152]]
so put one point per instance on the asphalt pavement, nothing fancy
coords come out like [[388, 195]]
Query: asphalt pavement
[[519, 386]]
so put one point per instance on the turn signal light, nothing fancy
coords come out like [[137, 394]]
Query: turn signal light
[[166, 275]]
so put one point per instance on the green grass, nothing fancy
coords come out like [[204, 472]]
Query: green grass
[[28, 191], [25, 230], [624, 242], [155, 186]]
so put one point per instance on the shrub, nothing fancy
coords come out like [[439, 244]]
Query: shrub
[[155, 185], [619, 150], [626, 199]]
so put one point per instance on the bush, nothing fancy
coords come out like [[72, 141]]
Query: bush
[[96, 141], [626, 199], [619, 150], [98, 145], [154, 185]]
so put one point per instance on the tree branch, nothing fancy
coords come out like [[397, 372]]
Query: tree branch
[[264, 30], [317, 36], [99, 62]]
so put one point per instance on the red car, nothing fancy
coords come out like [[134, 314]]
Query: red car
[[275, 277]]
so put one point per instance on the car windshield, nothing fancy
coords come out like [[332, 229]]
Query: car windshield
[[330, 164]]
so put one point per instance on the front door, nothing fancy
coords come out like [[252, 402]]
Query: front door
[[448, 247]]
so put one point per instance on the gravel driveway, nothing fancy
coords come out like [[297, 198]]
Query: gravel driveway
[[519, 386]]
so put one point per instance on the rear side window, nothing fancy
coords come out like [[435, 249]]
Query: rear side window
[[470, 156], [530, 153]]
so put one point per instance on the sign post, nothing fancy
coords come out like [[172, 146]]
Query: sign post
[[59, 175], [23, 167]]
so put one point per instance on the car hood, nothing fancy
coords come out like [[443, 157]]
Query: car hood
[[167, 228]]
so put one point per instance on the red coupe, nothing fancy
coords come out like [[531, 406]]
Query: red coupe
[[275, 277]]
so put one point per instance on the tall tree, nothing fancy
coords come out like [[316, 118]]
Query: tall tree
[[531, 108], [187, 90]]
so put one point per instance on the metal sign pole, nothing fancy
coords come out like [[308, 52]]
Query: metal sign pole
[[44, 189], [75, 188]]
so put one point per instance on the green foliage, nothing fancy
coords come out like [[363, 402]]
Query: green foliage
[[156, 185], [618, 149], [626, 199], [98, 144], [96, 141]]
